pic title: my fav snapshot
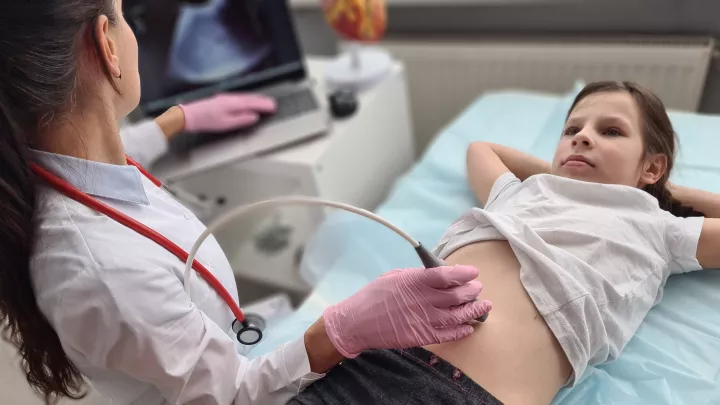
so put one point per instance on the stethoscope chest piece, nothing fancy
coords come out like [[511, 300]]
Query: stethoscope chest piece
[[249, 331]]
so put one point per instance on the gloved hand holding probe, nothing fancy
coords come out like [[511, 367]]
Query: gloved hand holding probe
[[407, 308]]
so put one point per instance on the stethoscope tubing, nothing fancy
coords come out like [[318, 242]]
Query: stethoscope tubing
[[71, 192]]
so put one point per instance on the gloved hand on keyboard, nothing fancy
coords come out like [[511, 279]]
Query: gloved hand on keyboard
[[226, 111], [407, 308]]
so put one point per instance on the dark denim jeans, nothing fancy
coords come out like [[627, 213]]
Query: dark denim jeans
[[395, 377]]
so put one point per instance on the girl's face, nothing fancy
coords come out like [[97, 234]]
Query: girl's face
[[602, 142]]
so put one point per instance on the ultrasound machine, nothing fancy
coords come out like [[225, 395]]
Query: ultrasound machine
[[193, 49]]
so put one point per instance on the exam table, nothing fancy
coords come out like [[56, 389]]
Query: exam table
[[675, 356]]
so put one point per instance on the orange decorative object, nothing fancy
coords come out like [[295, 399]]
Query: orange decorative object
[[358, 20]]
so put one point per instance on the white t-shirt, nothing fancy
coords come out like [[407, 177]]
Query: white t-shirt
[[594, 257]]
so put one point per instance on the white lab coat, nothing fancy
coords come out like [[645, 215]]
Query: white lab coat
[[144, 142], [116, 299]]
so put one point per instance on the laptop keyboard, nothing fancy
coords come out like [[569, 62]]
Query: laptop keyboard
[[291, 105], [288, 106]]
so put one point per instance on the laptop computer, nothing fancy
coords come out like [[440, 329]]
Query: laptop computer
[[193, 49]]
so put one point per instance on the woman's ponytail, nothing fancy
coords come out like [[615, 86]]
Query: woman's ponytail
[[41, 46], [46, 366]]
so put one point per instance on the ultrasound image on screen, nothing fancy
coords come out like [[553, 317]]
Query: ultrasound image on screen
[[216, 41], [192, 49]]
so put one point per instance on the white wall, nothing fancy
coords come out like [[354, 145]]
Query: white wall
[[565, 18]]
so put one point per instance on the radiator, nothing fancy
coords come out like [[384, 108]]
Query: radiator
[[445, 76]]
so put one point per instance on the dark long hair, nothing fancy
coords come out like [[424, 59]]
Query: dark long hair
[[658, 136], [40, 46]]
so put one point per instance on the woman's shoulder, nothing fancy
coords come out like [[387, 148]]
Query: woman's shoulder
[[72, 239], [86, 254]]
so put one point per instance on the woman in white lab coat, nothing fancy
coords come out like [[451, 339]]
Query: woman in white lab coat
[[84, 296]]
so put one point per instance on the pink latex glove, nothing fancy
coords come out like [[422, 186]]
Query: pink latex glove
[[226, 111], [407, 308]]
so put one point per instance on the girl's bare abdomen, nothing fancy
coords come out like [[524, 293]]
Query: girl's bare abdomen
[[513, 355]]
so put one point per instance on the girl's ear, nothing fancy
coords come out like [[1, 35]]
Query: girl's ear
[[654, 168]]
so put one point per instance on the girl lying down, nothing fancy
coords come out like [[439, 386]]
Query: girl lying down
[[573, 254]]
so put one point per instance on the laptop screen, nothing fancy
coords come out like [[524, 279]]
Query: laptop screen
[[193, 49]]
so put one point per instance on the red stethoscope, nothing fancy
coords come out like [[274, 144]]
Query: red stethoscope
[[247, 334]]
